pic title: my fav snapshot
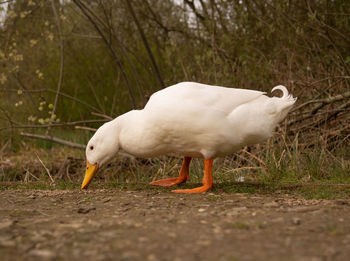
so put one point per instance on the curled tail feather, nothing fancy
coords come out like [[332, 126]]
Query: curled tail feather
[[286, 94]]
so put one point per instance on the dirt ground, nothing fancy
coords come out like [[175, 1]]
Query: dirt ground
[[134, 225]]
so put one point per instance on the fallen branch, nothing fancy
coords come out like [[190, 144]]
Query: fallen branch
[[325, 101], [322, 103], [63, 124], [53, 139], [69, 143]]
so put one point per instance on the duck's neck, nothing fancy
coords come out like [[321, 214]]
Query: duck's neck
[[132, 131]]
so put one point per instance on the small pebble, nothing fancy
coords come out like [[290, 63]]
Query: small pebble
[[106, 200], [296, 221], [42, 253], [271, 204], [6, 224], [85, 210]]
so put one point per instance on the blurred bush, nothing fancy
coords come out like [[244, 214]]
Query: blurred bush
[[61, 61]]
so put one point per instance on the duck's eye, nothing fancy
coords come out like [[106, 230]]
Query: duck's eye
[[91, 147]]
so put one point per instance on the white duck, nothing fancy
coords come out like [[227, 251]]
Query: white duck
[[192, 120]]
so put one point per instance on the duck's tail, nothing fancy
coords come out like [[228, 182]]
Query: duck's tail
[[286, 94]]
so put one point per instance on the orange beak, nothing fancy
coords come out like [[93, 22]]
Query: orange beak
[[89, 174]]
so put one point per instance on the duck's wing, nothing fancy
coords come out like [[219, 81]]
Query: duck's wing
[[199, 95]]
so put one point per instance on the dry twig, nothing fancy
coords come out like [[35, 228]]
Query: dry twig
[[47, 170], [322, 103], [85, 128], [102, 115]]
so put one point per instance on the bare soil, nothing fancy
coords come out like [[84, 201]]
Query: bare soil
[[134, 225]]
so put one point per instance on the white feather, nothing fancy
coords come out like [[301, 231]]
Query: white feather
[[281, 88]]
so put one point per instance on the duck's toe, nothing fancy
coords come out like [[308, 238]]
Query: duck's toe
[[168, 182]]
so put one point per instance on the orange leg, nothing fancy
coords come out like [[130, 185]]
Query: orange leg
[[207, 179], [183, 177]]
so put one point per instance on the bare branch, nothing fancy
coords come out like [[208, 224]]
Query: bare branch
[[53, 139], [102, 115], [53, 91], [83, 8], [60, 78], [85, 128], [71, 123], [68, 143], [322, 103], [145, 43]]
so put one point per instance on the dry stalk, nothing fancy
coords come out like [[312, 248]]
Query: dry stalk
[[46, 169], [255, 157], [4, 147], [67, 173], [228, 170]]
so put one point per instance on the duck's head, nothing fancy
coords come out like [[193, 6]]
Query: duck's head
[[100, 149]]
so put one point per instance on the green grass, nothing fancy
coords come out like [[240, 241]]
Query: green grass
[[273, 168], [324, 192], [308, 191]]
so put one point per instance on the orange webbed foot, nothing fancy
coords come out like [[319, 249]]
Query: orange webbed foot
[[168, 182], [207, 180], [183, 176], [193, 191]]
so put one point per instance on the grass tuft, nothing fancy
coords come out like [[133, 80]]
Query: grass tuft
[[275, 167]]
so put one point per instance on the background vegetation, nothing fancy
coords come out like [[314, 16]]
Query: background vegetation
[[67, 66]]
